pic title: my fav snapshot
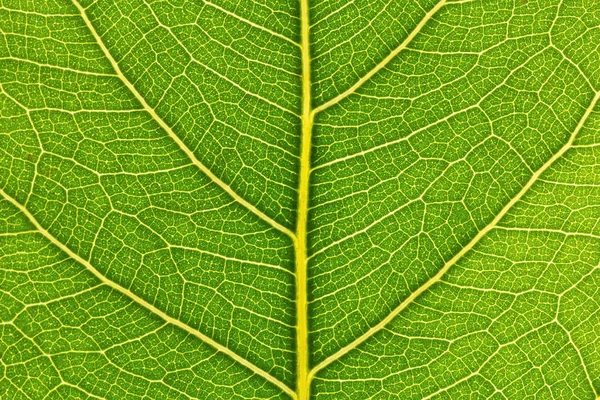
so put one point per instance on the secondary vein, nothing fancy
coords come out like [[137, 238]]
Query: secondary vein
[[143, 302], [262, 28], [172, 134], [437, 277], [383, 62]]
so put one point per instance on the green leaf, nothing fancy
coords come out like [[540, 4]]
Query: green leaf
[[337, 199]]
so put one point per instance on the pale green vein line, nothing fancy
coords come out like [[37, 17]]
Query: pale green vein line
[[82, 111], [57, 67], [39, 14], [384, 62], [393, 142], [487, 360], [172, 134], [63, 297], [233, 259], [579, 355], [78, 389], [220, 75], [14, 234], [548, 230], [262, 28], [39, 348], [328, 16], [255, 369], [423, 128], [575, 65], [344, 350]]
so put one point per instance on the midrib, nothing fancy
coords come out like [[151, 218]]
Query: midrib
[[303, 383], [304, 373]]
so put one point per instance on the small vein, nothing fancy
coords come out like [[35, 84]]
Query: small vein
[[172, 134], [212, 70], [437, 277], [262, 28], [255, 369], [575, 65], [446, 118], [57, 67], [337, 11], [67, 384], [384, 62], [489, 357], [579, 355]]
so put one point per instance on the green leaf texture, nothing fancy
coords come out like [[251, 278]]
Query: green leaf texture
[[294, 199]]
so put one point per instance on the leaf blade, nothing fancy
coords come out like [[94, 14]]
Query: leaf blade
[[309, 200]]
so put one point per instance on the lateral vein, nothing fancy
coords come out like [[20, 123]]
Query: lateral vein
[[437, 277], [146, 304], [384, 62], [255, 25], [173, 136]]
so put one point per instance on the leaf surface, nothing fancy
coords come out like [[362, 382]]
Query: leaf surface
[[299, 199]]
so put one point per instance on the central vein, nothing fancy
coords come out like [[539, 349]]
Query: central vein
[[303, 384]]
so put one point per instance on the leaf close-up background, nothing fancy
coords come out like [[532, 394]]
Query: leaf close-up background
[[294, 199]]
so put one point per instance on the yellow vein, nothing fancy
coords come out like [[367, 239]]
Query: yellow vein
[[384, 62], [146, 304], [32, 340], [579, 355], [461, 253], [57, 67], [262, 28], [172, 134], [303, 383]]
